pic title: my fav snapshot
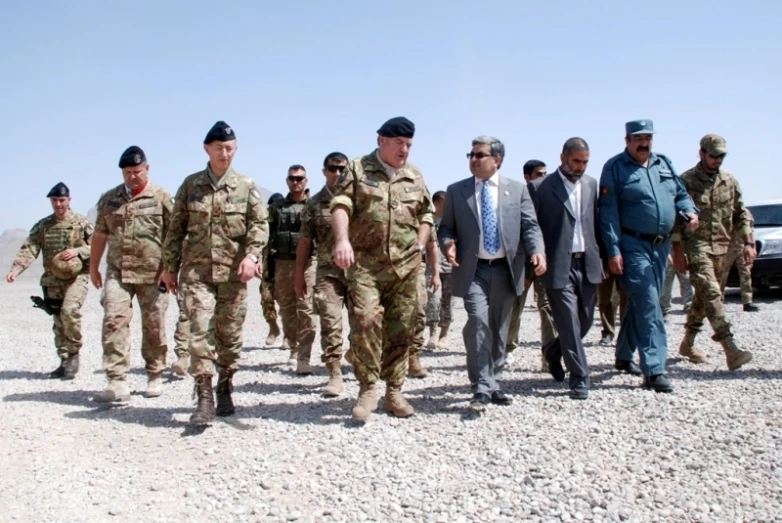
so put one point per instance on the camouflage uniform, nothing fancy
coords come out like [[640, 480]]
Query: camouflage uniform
[[547, 330], [51, 236], [330, 284], [136, 227], [610, 296], [268, 306], [736, 257], [212, 229], [298, 323], [182, 332], [438, 303], [722, 216], [386, 207]]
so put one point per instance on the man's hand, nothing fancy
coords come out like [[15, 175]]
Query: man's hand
[[343, 254], [693, 223], [96, 279], [539, 263], [169, 280], [450, 253], [434, 282], [247, 270], [300, 286], [67, 254], [616, 265], [11, 276], [259, 270], [749, 255]]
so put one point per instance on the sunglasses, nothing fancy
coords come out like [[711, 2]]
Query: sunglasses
[[479, 156], [336, 168], [296, 179]]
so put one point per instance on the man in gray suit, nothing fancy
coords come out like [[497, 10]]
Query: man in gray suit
[[566, 206], [487, 232]]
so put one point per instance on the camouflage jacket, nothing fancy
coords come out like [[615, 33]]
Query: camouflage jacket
[[285, 226], [52, 236], [136, 227], [316, 227], [722, 211], [384, 214], [212, 228]]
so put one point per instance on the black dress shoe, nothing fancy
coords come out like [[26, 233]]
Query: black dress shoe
[[556, 370], [479, 401], [628, 367], [579, 393], [499, 398], [658, 383], [751, 307]]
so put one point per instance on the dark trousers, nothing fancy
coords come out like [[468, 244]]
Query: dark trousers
[[573, 308]]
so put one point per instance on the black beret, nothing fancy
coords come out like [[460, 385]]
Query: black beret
[[220, 132], [398, 126], [274, 197], [132, 157], [59, 191]]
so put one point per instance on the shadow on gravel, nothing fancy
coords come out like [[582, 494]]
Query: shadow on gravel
[[23, 375]]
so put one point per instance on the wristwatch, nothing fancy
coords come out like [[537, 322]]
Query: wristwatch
[[253, 257]]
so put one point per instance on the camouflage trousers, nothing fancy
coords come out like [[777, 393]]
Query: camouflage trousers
[[422, 284], [547, 330], [298, 322], [117, 302], [381, 312], [67, 324], [216, 312], [182, 332], [708, 272], [684, 287], [745, 273], [331, 292], [438, 304], [267, 301], [610, 296]]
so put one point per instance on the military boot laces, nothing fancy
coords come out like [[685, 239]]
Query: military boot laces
[[117, 391], [71, 367], [442, 342], [395, 403], [334, 387], [179, 367], [416, 369], [274, 333], [687, 348], [366, 403], [734, 356], [225, 386], [205, 410]]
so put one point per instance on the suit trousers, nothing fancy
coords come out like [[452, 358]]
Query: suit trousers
[[488, 303], [573, 308]]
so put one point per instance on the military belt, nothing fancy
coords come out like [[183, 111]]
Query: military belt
[[654, 239]]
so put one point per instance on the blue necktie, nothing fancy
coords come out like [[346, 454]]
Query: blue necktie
[[491, 235]]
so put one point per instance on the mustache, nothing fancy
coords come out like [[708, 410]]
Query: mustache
[[644, 148]]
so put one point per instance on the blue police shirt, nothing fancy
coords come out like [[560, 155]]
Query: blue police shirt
[[645, 200]]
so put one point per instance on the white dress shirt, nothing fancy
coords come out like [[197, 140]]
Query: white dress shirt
[[494, 189], [574, 195]]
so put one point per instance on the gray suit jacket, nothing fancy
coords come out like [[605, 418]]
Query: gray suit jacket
[[557, 219], [519, 231]]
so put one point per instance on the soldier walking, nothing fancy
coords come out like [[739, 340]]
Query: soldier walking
[[266, 276], [64, 239], [438, 302], [744, 271]]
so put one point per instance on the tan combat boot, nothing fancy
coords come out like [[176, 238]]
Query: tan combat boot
[[431, 343], [416, 369], [154, 386], [366, 403], [734, 356], [225, 386], [687, 349], [395, 403], [274, 333], [286, 344], [334, 387], [303, 367], [117, 391], [442, 342], [205, 410], [180, 366], [292, 359]]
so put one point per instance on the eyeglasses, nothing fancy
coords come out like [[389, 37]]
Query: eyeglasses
[[717, 156], [479, 156], [336, 168], [296, 179]]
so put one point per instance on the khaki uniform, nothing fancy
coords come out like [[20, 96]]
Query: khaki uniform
[[386, 207], [331, 289], [213, 228], [424, 282], [136, 228], [182, 331], [736, 257], [51, 236]]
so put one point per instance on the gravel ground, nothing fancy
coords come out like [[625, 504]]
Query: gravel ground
[[709, 452]]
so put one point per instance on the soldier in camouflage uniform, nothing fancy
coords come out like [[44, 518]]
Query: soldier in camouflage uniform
[[218, 230], [133, 219], [181, 336], [64, 236], [331, 288], [717, 194], [266, 275], [428, 283], [382, 209], [438, 302], [744, 271], [298, 323]]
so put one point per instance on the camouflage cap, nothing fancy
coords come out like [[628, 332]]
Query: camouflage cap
[[639, 127], [66, 270], [714, 144]]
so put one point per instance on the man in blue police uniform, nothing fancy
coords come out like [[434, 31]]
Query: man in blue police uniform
[[640, 198]]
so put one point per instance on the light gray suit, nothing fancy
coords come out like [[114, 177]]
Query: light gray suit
[[488, 289], [571, 283]]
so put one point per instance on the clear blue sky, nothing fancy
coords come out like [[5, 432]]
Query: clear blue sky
[[84, 79]]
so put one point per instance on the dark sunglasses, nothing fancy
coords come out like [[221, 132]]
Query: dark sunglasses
[[717, 156], [480, 156], [336, 168], [296, 179]]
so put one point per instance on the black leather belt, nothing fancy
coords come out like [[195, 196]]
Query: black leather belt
[[654, 239], [493, 261], [578, 255]]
